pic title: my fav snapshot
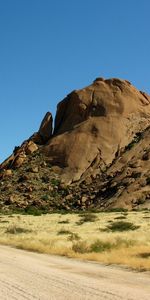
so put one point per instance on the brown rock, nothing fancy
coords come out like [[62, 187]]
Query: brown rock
[[29, 196], [146, 156], [50, 188], [12, 199], [31, 147], [30, 189], [100, 146], [34, 169], [36, 138], [83, 199], [23, 178], [56, 169], [46, 127], [69, 197], [19, 159], [93, 124], [7, 173]]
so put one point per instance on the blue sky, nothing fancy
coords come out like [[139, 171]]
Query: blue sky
[[50, 47]]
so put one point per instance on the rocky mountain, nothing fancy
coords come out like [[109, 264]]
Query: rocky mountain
[[97, 155]]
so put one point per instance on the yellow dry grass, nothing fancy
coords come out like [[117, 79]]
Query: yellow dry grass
[[42, 234]]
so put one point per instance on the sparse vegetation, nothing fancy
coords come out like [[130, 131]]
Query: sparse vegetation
[[100, 246], [4, 221], [31, 210], [120, 218], [55, 181], [135, 140], [13, 229], [144, 255], [73, 237], [121, 226], [80, 247], [87, 217], [64, 222], [45, 197], [117, 209], [44, 233], [64, 231]]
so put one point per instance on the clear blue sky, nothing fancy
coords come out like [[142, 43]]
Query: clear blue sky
[[50, 47]]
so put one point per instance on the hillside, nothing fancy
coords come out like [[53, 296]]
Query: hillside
[[97, 156]]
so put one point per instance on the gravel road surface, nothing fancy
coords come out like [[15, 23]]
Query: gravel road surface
[[32, 276]]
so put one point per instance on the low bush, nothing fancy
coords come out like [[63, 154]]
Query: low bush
[[87, 217], [31, 210], [4, 221], [120, 218], [144, 255], [80, 247], [55, 182], [45, 197], [100, 246], [121, 226], [63, 222], [13, 229], [64, 231]]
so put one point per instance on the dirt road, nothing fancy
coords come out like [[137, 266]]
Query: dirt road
[[26, 275]]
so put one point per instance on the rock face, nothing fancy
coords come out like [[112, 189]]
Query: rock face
[[92, 125], [95, 157], [45, 131], [46, 127]]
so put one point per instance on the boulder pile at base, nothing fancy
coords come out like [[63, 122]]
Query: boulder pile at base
[[96, 157]]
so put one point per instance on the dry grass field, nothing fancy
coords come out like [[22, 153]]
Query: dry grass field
[[111, 238]]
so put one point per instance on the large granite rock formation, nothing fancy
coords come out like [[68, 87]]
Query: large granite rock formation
[[92, 125], [99, 148]]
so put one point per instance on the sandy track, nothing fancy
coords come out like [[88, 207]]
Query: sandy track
[[26, 275]]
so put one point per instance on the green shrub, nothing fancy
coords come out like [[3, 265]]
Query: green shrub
[[45, 197], [87, 217], [31, 210], [121, 226], [55, 181], [100, 246]]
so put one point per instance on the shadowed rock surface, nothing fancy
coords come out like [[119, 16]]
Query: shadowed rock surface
[[97, 156]]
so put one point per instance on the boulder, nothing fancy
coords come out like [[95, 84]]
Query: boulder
[[31, 147], [7, 173], [19, 160]]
